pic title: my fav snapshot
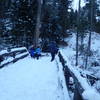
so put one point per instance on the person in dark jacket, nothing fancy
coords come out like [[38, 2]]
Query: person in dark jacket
[[53, 48]]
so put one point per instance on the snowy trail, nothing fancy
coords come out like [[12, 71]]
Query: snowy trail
[[30, 79]]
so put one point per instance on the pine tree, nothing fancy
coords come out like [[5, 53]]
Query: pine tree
[[55, 20], [24, 21]]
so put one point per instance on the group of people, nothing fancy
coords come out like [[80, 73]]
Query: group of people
[[35, 52]]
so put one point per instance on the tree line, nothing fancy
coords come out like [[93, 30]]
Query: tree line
[[24, 22], [18, 20]]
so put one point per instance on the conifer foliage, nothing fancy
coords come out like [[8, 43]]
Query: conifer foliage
[[18, 20]]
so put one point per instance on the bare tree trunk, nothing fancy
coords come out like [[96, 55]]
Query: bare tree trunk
[[91, 26], [38, 23], [77, 35]]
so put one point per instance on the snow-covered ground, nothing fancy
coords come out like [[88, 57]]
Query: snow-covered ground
[[89, 93], [32, 79], [70, 53], [41, 79], [70, 50]]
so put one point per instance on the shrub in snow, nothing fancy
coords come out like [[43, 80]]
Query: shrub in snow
[[95, 63]]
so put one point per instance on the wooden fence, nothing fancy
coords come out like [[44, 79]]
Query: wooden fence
[[81, 85], [12, 55]]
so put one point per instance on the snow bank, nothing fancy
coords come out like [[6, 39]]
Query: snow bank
[[93, 61], [88, 90], [62, 80], [91, 94]]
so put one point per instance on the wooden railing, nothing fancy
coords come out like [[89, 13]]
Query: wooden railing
[[81, 85], [12, 55]]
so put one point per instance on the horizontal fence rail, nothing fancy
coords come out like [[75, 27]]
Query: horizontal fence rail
[[12, 55], [81, 86]]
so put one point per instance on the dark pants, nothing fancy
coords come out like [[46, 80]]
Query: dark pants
[[53, 56], [37, 55]]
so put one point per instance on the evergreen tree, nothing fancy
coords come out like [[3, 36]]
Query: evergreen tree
[[24, 21], [56, 19]]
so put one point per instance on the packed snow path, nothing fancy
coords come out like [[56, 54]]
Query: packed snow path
[[31, 79]]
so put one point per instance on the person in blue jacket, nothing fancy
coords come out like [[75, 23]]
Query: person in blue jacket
[[37, 52], [53, 48], [32, 52]]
